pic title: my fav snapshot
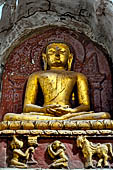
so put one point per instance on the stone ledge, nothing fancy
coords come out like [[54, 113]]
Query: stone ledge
[[55, 169]]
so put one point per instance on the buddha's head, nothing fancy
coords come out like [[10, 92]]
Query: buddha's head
[[57, 56]]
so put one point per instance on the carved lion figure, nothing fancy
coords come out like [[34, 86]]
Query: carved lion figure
[[103, 151]]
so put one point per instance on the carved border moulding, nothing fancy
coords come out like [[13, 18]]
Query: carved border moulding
[[58, 133], [57, 125]]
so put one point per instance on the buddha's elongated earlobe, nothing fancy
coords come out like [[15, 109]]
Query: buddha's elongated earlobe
[[70, 59], [44, 57]]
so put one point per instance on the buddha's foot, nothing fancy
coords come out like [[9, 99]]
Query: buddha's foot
[[92, 116], [69, 116]]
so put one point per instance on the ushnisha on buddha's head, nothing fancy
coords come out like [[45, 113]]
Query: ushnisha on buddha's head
[[57, 56]]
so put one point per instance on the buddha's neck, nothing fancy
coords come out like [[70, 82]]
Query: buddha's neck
[[57, 68]]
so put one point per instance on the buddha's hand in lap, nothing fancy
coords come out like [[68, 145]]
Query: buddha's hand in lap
[[47, 108], [59, 111]]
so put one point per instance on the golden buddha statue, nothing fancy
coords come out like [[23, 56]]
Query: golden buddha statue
[[57, 83]]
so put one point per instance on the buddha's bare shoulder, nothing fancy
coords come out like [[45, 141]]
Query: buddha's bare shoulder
[[36, 74], [78, 76]]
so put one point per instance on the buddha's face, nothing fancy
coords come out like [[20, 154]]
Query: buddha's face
[[57, 54]]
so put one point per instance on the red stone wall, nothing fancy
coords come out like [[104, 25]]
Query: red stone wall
[[3, 153]]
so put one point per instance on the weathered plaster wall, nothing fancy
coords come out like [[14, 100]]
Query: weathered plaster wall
[[92, 17]]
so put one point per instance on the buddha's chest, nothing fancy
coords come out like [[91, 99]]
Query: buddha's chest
[[56, 83]]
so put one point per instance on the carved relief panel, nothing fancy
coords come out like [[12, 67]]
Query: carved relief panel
[[77, 152]]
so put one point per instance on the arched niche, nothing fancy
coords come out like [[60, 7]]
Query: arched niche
[[89, 59]]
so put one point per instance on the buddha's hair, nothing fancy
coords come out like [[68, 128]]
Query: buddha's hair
[[60, 42]]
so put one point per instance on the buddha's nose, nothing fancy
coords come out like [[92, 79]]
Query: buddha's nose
[[57, 54]]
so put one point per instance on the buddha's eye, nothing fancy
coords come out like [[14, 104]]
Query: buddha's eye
[[62, 52], [51, 51]]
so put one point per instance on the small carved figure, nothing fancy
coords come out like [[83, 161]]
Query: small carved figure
[[18, 154], [32, 141], [56, 150], [103, 151]]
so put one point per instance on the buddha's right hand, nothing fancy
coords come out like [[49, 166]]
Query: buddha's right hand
[[34, 108]]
